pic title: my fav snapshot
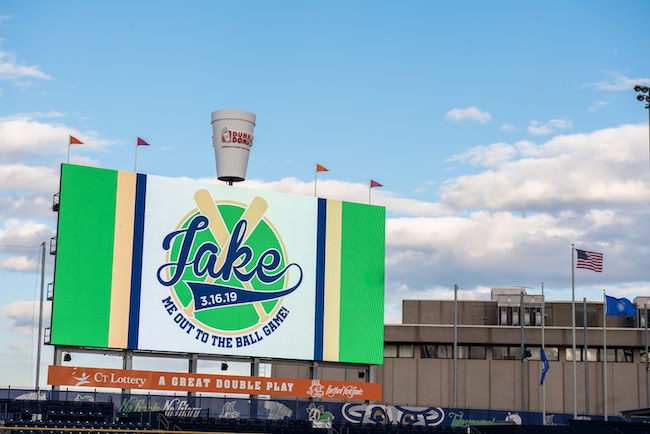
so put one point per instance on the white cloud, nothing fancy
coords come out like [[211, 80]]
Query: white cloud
[[23, 134], [19, 347], [470, 113], [11, 69], [508, 127], [567, 171], [19, 263], [21, 177], [538, 128], [28, 205], [350, 191], [597, 105], [617, 81], [23, 314], [31, 116], [491, 155], [19, 234]]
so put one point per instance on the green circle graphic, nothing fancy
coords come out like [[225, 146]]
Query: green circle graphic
[[262, 238]]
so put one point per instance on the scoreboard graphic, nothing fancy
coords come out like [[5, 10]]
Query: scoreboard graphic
[[163, 264]]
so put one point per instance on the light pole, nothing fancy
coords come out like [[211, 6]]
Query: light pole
[[644, 96]]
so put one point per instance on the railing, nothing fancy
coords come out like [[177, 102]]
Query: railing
[[50, 290], [53, 245]]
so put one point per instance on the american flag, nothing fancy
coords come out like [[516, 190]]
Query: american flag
[[590, 260]]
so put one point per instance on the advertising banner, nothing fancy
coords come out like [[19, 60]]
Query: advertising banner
[[186, 382], [162, 264]]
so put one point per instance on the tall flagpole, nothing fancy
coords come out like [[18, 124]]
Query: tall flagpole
[[455, 345], [543, 351], [645, 323], [604, 355], [522, 349], [573, 331], [69, 139], [369, 191], [135, 165], [315, 178], [40, 323], [584, 353]]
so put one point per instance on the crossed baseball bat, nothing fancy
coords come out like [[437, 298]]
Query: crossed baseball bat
[[253, 214]]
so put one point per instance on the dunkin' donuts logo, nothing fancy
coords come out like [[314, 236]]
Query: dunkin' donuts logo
[[227, 271], [228, 136]]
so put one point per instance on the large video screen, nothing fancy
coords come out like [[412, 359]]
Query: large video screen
[[163, 264]]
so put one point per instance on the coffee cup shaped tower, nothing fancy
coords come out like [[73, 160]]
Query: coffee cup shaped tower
[[232, 138]]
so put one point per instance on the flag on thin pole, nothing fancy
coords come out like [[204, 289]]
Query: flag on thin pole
[[73, 141], [619, 306], [590, 260], [319, 168], [545, 367], [139, 142], [373, 184]]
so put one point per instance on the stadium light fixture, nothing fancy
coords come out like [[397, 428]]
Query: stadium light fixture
[[643, 96]]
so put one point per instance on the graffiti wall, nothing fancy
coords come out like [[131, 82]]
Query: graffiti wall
[[319, 413]]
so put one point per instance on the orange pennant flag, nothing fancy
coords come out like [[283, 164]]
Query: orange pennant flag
[[75, 141], [320, 168]]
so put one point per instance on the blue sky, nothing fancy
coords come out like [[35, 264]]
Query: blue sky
[[502, 132]]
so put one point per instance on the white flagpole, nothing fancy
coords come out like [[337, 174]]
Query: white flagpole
[[135, 165], [584, 353], [455, 345], [369, 190], [315, 177], [69, 139], [604, 355], [573, 331], [543, 351], [645, 324]]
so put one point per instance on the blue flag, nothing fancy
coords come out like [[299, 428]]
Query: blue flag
[[544, 367], [620, 306]]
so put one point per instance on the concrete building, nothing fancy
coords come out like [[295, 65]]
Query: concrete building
[[418, 356]]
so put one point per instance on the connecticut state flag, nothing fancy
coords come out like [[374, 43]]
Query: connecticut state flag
[[620, 306], [545, 367]]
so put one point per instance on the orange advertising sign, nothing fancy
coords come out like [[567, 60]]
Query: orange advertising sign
[[186, 382]]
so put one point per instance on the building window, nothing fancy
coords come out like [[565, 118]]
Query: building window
[[552, 353], [405, 350], [398, 350], [568, 354], [436, 351], [514, 353], [432, 351], [477, 352], [506, 353], [592, 354], [622, 355]]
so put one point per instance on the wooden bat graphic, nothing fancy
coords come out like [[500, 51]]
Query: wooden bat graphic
[[252, 215]]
